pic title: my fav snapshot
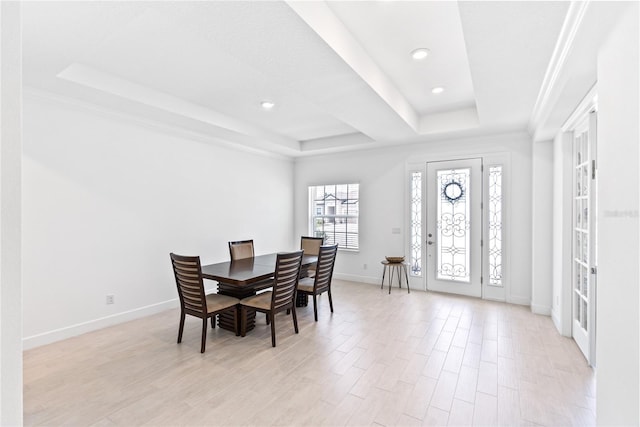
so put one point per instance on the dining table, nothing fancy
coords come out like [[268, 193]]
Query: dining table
[[243, 278]]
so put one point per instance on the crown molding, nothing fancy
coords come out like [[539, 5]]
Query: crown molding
[[588, 105], [226, 127], [147, 123], [564, 45]]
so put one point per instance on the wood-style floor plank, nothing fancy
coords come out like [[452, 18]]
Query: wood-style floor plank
[[379, 359]]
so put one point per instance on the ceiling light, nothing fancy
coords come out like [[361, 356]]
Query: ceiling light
[[437, 90], [420, 54], [267, 105]]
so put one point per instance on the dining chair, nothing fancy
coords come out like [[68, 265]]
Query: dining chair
[[322, 281], [241, 249], [310, 246], [193, 301], [281, 298]]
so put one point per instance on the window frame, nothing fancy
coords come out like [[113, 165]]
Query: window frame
[[331, 218]]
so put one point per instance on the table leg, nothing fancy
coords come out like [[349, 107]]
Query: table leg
[[302, 300], [384, 271], [406, 276], [226, 320]]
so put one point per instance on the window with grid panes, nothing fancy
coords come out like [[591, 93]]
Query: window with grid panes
[[334, 214]]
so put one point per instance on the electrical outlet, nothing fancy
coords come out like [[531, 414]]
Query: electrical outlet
[[111, 299], [364, 266]]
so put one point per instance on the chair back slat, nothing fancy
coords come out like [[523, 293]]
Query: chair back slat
[[241, 249], [286, 279], [188, 274], [324, 268]]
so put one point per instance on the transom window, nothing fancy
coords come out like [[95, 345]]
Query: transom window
[[334, 214]]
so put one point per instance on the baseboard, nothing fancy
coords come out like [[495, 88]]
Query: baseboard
[[93, 325], [545, 310], [518, 300], [556, 320], [357, 278], [493, 299]]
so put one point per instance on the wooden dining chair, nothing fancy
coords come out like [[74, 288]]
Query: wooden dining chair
[[241, 249], [193, 301], [322, 281], [281, 298], [310, 246]]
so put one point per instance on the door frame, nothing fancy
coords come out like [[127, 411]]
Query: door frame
[[489, 158]]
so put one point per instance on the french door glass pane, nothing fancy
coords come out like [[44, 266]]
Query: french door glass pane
[[581, 230]]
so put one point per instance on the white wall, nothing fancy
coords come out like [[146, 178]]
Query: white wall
[[10, 215], [381, 174], [562, 232], [106, 199], [542, 227], [618, 385]]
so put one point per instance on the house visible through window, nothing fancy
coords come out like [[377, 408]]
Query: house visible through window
[[335, 210]]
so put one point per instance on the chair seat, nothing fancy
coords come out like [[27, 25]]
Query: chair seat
[[306, 284], [216, 302], [261, 301]]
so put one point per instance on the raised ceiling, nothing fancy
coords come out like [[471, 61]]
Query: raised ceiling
[[340, 73]]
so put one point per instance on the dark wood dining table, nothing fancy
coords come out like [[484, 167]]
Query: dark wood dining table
[[243, 278]]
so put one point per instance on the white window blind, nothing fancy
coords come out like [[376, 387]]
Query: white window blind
[[334, 214]]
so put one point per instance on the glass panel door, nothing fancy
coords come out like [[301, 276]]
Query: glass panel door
[[584, 235], [454, 226]]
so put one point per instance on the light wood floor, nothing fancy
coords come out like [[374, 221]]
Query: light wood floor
[[399, 359]]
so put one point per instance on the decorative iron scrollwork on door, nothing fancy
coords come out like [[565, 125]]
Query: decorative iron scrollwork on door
[[453, 225]]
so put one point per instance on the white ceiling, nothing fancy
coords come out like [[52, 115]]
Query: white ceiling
[[340, 73]]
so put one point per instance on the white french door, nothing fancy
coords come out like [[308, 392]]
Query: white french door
[[584, 237], [454, 226]]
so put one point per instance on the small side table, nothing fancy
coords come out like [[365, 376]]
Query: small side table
[[398, 268]]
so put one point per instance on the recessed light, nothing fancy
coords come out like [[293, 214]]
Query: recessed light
[[267, 105], [420, 54], [437, 90]]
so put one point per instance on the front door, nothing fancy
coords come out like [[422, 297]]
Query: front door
[[454, 227]]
